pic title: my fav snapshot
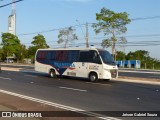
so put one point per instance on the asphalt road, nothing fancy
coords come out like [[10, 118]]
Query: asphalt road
[[152, 74], [148, 74], [81, 94]]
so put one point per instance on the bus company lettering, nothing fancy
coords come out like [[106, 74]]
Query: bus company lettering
[[65, 65], [62, 65], [93, 67]]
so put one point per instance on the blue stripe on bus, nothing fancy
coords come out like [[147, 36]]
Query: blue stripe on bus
[[60, 67]]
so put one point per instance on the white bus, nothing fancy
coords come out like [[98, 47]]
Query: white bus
[[89, 63]]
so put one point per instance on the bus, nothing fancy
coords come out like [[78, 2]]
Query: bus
[[90, 63]]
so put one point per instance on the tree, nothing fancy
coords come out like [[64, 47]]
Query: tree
[[120, 55], [38, 42], [1, 52], [112, 23], [122, 44], [21, 54], [10, 44], [138, 55], [66, 35], [106, 43], [31, 52]]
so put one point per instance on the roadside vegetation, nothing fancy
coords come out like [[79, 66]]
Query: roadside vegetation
[[147, 62], [12, 48]]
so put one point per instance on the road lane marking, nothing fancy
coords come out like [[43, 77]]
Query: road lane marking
[[154, 76], [73, 89], [137, 81], [98, 84], [6, 78], [31, 75], [59, 105], [139, 72]]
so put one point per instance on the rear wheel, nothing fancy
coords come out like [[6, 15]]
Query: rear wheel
[[93, 77], [52, 74]]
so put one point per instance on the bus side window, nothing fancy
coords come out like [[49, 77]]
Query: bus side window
[[48, 55], [41, 55], [73, 55], [38, 56], [64, 55], [94, 57], [53, 55], [84, 56]]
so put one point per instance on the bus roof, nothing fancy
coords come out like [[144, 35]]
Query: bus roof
[[71, 49]]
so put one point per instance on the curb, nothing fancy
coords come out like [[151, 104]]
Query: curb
[[138, 80]]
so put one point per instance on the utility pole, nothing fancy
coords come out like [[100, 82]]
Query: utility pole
[[87, 35]]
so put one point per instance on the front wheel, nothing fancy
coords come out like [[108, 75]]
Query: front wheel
[[52, 74], [93, 77]]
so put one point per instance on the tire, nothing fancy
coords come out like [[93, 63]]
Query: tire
[[52, 74], [93, 77]]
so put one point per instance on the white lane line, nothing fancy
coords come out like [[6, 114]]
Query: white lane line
[[139, 71], [5, 78], [138, 81], [154, 76], [58, 105], [73, 89], [31, 75], [98, 84]]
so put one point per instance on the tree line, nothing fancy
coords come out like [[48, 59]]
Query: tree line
[[147, 62], [12, 47]]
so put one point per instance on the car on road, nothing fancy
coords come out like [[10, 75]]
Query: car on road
[[8, 61]]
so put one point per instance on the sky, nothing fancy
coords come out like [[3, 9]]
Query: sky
[[35, 16]]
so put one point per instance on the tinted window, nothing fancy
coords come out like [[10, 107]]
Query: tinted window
[[94, 57], [41, 55], [84, 56], [52, 55], [73, 55], [62, 55], [107, 57]]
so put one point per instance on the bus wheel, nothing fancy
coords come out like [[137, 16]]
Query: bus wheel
[[93, 77], [52, 74]]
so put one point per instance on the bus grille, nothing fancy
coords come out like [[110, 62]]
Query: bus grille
[[113, 73]]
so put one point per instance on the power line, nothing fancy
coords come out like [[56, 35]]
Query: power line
[[145, 18], [10, 3], [57, 29], [45, 31]]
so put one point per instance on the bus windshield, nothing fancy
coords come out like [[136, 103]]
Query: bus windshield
[[107, 57]]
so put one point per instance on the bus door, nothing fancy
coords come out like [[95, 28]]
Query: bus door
[[95, 63], [82, 65]]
